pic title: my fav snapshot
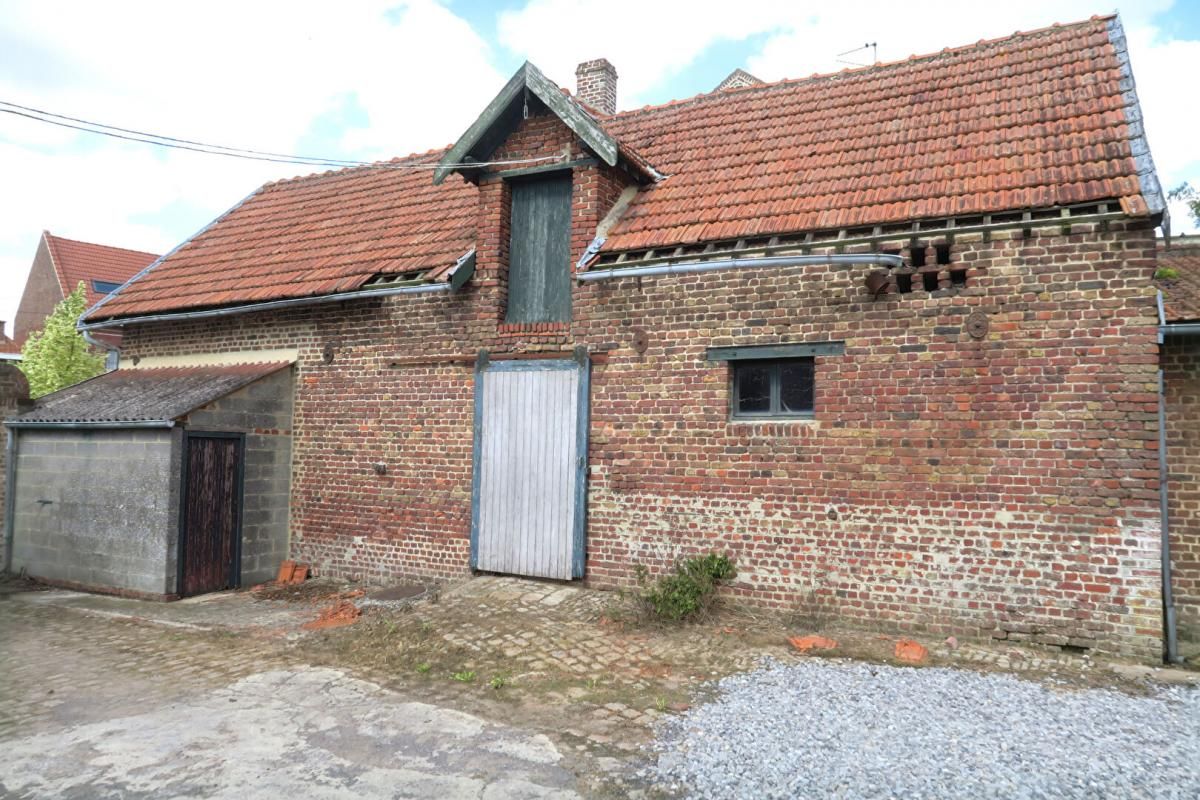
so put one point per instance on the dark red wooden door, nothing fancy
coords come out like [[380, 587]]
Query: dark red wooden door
[[211, 499]]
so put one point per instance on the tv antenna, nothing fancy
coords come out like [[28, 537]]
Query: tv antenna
[[874, 55]]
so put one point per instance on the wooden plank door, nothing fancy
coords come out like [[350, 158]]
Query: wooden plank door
[[210, 513], [539, 257], [530, 465]]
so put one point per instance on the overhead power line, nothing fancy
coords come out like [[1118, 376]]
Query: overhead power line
[[143, 137]]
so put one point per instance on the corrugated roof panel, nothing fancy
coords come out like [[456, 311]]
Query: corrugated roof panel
[[143, 395]]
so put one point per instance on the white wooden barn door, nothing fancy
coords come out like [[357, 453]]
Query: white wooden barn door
[[530, 467]]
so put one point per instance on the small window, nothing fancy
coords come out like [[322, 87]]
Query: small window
[[776, 388], [105, 287]]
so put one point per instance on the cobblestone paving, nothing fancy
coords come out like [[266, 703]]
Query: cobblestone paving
[[548, 626], [97, 705], [594, 686], [62, 667]]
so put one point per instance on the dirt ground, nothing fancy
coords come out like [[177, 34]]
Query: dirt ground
[[583, 668], [595, 670]]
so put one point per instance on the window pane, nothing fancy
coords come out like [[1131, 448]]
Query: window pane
[[753, 388], [796, 387]]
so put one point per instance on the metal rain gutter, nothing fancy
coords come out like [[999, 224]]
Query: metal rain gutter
[[113, 357], [1179, 329], [89, 426], [267, 306], [690, 267]]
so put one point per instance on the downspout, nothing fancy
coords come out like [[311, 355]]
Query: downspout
[[1168, 599], [10, 495], [112, 359], [1170, 628]]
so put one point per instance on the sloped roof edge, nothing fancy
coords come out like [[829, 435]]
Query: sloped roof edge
[[564, 107], [141, 396], [89, 312], [1140, 147]]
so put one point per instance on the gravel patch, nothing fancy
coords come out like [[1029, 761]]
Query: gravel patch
[[854, 730]]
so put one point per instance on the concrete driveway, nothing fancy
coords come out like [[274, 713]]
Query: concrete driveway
[[98, 707]]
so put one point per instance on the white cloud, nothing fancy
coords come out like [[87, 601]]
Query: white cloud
[[256, 75], [263, 74], [649, 43]]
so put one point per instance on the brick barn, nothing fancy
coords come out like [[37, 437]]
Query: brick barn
[[887, 336]]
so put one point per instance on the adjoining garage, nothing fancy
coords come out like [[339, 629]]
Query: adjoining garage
[[161, 483]]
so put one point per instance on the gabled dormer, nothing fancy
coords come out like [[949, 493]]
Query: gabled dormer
[[504, 114], [548, 175]]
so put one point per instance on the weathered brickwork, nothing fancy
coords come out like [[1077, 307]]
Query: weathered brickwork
[[596, 85], [1003, 486], [41, 294], [1181, 370]]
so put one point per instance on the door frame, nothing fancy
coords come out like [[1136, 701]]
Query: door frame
[[239, 480], [579, 360]]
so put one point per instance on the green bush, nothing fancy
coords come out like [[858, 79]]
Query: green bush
[[690, 588], [1166, 274]]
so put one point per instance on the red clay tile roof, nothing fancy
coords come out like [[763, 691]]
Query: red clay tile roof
[[311, 236], [83, 261], [1033, 120], [1181, 295]]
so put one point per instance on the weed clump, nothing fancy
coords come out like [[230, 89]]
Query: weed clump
[[691, 588]]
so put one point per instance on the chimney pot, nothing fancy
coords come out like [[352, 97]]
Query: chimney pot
[[596, 85]]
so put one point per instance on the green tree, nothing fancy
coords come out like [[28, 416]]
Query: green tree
[[1187, 194], [57, 355]]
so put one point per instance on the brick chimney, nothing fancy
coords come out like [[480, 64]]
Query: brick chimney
[[596, 85]]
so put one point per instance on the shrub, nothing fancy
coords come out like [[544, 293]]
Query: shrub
[[690, 588], [1166, 274]]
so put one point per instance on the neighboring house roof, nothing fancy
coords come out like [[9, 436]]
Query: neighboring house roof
[[144, 396], [1034, 120], [76, 261], [737, 79], [1181, 294]]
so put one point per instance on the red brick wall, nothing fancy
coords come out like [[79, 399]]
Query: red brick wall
[[41, 294], [1000, 486], [1181, 370]]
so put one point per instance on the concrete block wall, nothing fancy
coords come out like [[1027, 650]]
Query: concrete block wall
[[97, 508], [263, 411], [13, 389]]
